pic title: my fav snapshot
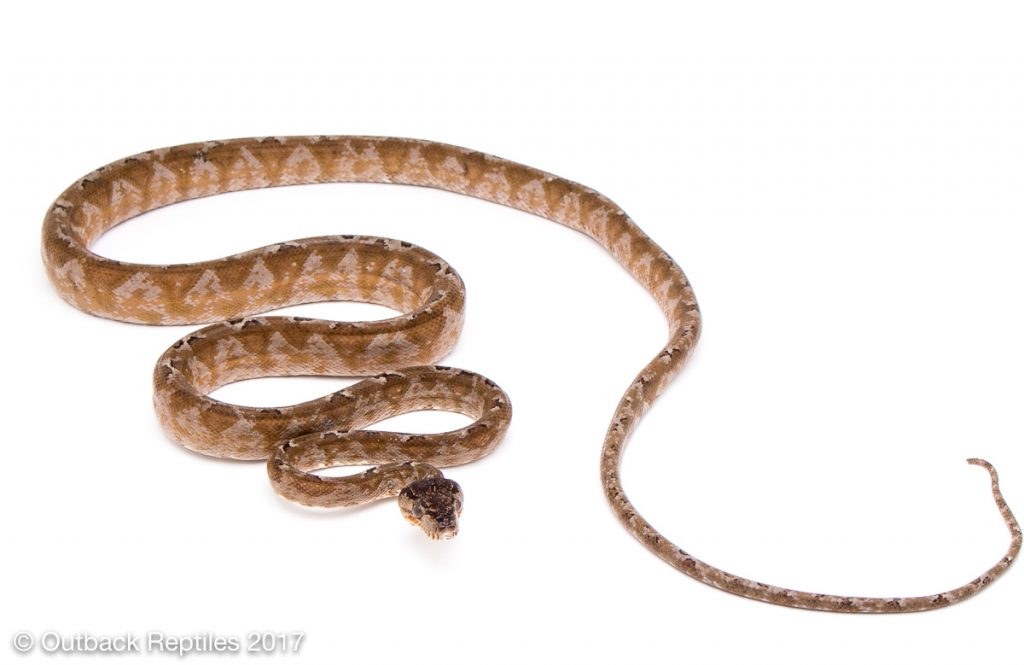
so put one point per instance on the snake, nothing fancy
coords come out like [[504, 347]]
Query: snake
[[396, 355]]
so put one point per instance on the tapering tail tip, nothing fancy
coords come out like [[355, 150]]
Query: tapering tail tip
[[1011, 521], [977, 461]]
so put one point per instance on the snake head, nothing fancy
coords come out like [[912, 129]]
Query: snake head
[[433, 504]]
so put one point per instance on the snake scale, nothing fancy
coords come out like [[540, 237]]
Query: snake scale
[[396, 354]]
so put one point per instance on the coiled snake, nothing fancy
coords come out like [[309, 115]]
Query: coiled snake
[[327, 432]]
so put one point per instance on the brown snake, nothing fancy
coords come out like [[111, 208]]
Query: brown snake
[[328, 432]]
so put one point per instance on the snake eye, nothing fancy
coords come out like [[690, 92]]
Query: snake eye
[[417, 511]]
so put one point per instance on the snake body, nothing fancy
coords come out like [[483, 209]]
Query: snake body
[[397, 352]]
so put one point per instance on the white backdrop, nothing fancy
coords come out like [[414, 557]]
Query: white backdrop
[[843, 186]]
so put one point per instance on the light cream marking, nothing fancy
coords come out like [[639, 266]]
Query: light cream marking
[[301, 167], [206, 287], [260, 278], [139, 282]]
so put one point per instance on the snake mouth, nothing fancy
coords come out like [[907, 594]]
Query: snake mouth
[[432, 529], [445, 534]]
